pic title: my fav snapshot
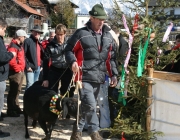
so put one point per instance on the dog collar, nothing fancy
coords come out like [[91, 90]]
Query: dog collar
[[53, 101]]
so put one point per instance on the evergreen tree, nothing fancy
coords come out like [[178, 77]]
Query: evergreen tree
[[131, 119], [63, 13]]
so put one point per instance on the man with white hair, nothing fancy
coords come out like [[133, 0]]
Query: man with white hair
[[16, 73], [48, 38]]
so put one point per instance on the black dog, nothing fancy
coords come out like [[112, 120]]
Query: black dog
[[36, 102]]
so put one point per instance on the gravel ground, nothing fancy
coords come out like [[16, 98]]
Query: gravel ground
[[15, 125]]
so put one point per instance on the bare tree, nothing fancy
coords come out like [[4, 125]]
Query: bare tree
[[9, 9]]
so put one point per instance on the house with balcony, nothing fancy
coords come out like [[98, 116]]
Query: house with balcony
[[25, 18], [32, 12]]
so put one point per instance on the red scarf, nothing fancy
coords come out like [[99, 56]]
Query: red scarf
[[38, 49]]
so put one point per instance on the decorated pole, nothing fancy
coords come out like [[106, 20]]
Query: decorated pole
[[149, 99]]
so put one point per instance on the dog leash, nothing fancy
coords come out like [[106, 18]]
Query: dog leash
[[78, 87], [72, 84], [59, 78]]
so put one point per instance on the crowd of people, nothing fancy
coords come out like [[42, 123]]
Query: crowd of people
[[89, 54]]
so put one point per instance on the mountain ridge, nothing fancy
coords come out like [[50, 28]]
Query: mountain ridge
[[86, 5]]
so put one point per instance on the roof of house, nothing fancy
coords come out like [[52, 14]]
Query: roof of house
[[27, 8], [36, 3], [153, 3]]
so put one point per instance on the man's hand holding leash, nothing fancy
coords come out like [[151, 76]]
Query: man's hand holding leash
[[75, 67]]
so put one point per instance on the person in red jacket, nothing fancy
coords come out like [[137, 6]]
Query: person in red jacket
[[44, 43], [16, 73]]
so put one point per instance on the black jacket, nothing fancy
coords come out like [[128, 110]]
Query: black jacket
[[30, 50], [5, 57], [54, 53], [123, 48], [94, 62]]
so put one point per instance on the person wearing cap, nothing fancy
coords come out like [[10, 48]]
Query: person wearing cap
[[91, 53], [33, 56], [16, 74], [4, 69]]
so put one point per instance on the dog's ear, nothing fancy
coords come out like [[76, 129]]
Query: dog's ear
[[65, 109]]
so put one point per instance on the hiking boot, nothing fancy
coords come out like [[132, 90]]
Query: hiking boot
[[19, 111], [76, 136], [68, 116], [105, 134], [1, 119], [4, 134], [3, 115], [95, 136]]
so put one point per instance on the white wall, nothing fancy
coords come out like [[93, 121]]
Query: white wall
[[82, 20]]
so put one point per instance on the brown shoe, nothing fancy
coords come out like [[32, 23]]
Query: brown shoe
[[76, 136], [96, 136]]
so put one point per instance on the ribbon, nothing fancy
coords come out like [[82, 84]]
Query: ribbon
[[124, 67], [122, 86], [130, 44], [142, 54], [135, 26], [145, 48], [167, 32], [139, 68], [122, 136]]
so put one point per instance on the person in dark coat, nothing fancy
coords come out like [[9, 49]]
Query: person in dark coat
[[174, 66], [4, 69], [123, 45], [58, 69], [33, 56], [122, 51], [91, 52]]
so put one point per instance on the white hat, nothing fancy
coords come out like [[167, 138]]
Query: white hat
[[21, 33]]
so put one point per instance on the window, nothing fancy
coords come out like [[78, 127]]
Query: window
[[171, 12], [38, 10]]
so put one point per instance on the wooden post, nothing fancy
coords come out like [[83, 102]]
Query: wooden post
[[149, 100]]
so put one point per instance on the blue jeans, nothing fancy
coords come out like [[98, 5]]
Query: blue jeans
[[32, 77], [89, 94], [104, 121], [2, 90], [104, 117]]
